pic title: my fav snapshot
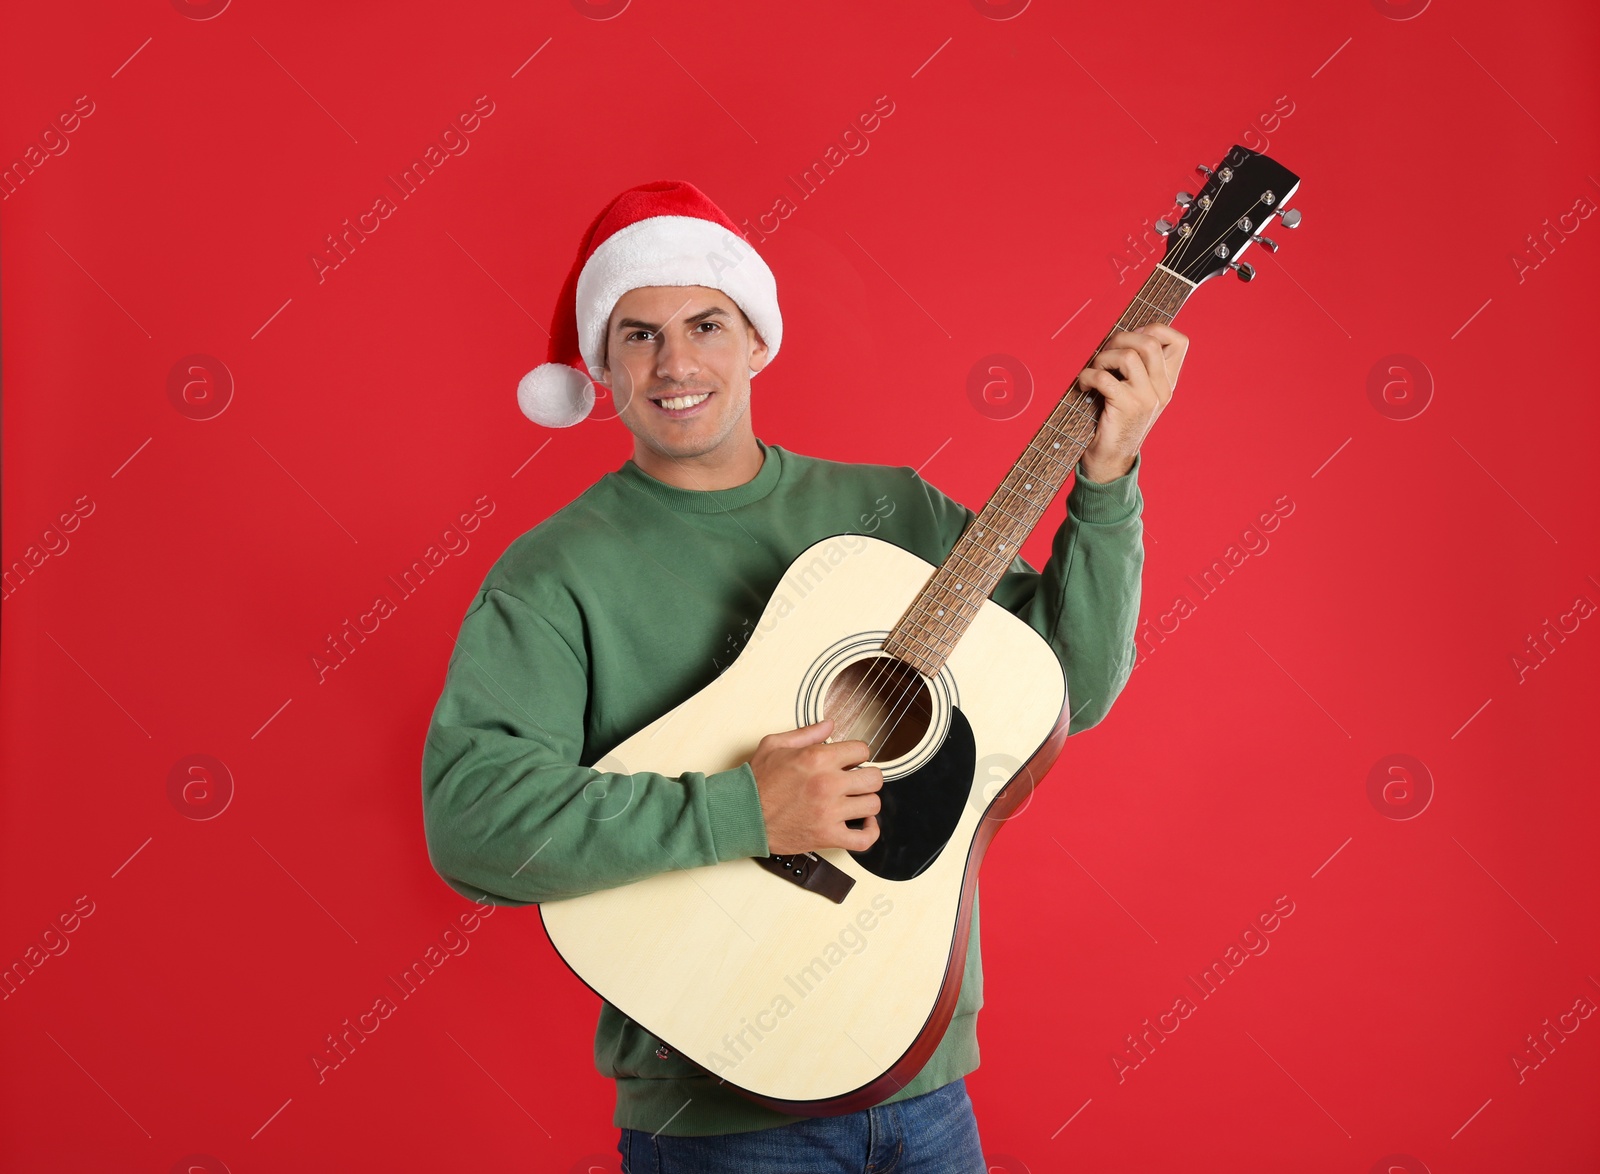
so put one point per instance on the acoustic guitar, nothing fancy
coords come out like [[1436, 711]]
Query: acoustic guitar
[[741, 966]]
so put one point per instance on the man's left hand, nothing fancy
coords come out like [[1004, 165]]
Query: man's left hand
[[1149, 359]]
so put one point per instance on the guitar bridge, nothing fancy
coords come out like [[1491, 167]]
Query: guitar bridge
[[810, 871]]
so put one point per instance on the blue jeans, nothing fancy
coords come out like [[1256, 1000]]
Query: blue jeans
[[935, 1133]]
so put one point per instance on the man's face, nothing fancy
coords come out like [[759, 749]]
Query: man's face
[[677, 343]]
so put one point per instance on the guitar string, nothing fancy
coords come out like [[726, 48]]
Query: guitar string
[[874, 677], [1076, 413], [1163, 283], [1157, 279], [1161, 286]]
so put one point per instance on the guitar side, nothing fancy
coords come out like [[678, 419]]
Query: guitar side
[[806, 1005]]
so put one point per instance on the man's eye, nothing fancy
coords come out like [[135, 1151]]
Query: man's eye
[[642, 335]]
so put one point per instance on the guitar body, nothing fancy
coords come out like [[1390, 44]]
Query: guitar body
[[806, 1004]]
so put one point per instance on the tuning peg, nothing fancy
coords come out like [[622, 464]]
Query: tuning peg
[[1289, 217], [1204, 170], [1162, 227], [1266, 242], [1184, 199], [1245, 270]]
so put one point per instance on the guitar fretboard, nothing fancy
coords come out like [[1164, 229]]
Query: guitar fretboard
[[939, 616]]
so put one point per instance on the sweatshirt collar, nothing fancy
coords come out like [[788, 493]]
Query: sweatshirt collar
[[710, 501]]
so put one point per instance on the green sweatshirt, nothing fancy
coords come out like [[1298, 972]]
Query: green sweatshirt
[[631, 599]]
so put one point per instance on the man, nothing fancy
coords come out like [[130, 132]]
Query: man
[[632, 598]]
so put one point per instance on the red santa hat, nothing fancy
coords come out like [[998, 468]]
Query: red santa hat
[[663, 233]]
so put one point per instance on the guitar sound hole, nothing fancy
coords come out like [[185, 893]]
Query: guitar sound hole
[[881, 701]]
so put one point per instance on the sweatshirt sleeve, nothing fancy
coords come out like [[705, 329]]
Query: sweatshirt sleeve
[[1085, 602], [511, 817]]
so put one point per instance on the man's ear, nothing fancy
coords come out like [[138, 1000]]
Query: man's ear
[[758, 351]]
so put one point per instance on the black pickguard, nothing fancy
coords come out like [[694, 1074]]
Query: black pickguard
[[920, 810]]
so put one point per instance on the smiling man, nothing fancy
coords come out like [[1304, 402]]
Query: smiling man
[[679, 361], [620, 605]]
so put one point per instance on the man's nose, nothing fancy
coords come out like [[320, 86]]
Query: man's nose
[[676, 360]]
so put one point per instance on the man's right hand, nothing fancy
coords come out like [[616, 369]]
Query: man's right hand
[[808, 791]]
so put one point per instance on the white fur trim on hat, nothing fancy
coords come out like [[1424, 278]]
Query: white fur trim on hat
[[555, 395], [674, 250]]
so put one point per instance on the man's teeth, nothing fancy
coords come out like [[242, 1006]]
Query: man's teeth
[[683, 401]]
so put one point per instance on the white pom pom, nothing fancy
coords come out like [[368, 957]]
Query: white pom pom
[[555, 395]]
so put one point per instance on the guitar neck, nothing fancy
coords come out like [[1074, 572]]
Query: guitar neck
[[939, 616]]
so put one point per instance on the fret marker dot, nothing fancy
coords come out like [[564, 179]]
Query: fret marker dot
[[1029, 485], [941, 611], [1002, 546], [958, 586], [1057, 444]]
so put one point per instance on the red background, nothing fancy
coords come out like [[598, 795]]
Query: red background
[[372, 407]]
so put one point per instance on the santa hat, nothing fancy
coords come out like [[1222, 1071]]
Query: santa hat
[[664, 233]]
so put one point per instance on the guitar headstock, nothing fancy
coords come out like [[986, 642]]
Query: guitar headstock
[[1240, 197]]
